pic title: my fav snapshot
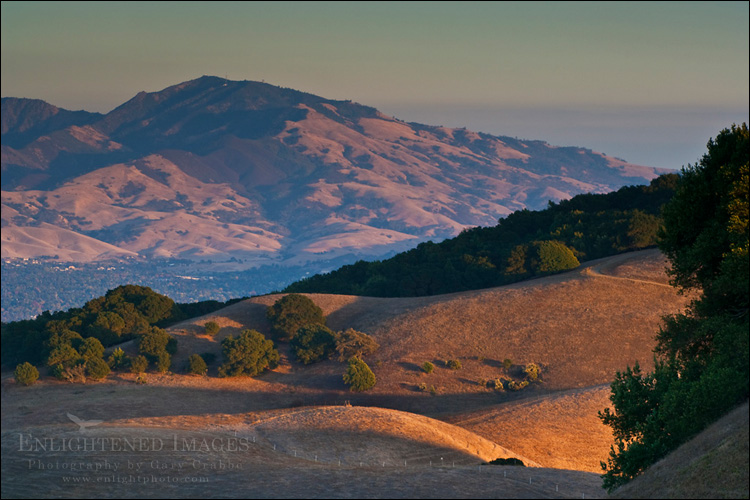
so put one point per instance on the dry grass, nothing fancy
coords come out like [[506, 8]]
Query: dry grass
[[714, 464], [580, 326], [567, 434], [349, 434], [259, 471]]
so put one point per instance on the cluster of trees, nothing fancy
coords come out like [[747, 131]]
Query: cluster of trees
[[297, 319], [250, 353], [132, 312], [158, 347], [72, 343], [702, 356], [523, 245], [121, 314]]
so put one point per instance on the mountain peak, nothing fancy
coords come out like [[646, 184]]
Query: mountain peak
[[255, 171]]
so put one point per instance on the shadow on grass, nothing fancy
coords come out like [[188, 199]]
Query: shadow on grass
[[412, 367], [131, 401]]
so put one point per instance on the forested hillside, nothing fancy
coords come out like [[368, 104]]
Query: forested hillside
[[523, 245]]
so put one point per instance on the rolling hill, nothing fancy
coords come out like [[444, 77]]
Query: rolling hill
[[564, 322], [298, 422]]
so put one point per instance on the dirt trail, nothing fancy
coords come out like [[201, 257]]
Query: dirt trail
[[605, 268]]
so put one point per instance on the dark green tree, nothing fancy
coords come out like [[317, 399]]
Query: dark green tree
[[291, 312], [97, 368], [153, 343], [248, 354], [64, 355], [702, 366], [352, 343], [313, 343], [359, 377], [63, 337], [212, 328], [91, 348], [149, 304], [196, 365]]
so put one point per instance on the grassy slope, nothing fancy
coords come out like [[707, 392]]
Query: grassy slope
[[603, 317], [714, 464], [581, 326]]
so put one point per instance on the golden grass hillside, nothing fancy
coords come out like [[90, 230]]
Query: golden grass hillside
[[332, 452], [565, 430], [581, 327], [348, 434]]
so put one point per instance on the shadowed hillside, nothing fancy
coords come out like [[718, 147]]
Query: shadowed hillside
[[714, 464]]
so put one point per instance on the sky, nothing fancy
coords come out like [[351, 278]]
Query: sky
[[649, 82]]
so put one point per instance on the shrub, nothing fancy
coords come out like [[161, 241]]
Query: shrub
[[497, 384], [517, 386], [290, 313], [97, 368], [26, 374], [427, 367], [532, 371], [422, 387], [196, 365], [358, 376], [507, 364], [63, 355], [433, 390], [553, 256], [118, 360], [313, 343], [248, 354], [153, 343], [212, 328], [138, 364], [507, 461], [453, 364], [91, 348], [352, 343], [163, 362], [72, 374]]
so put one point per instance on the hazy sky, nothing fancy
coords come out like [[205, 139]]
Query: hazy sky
[[649, 82]]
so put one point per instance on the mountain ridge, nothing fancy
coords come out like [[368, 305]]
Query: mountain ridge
[[321, 178]]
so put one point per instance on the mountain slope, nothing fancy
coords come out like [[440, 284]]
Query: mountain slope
[[268, 174]]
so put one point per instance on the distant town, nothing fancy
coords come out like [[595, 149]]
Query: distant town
[[33, 285]]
